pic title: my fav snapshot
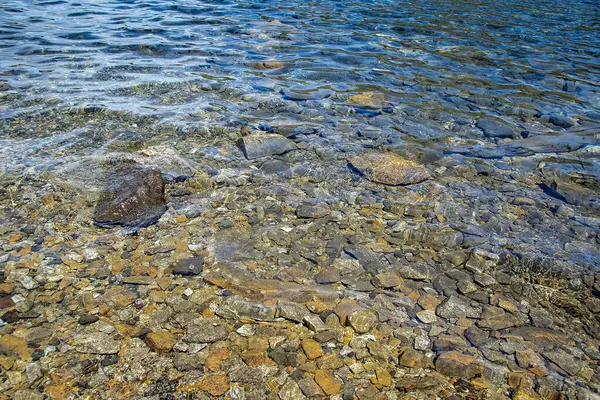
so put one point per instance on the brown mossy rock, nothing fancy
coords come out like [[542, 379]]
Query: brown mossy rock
[[389, 169], [134, 197]]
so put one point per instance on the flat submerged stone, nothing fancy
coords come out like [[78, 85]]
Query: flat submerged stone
[[259, 146], [389, 169]]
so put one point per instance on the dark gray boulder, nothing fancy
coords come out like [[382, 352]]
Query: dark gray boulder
[[134, 197]]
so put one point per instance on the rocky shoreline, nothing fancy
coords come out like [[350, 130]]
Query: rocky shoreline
[[264, 265]]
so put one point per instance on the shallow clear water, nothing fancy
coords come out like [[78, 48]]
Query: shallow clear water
[[533, 65], [532, 54]]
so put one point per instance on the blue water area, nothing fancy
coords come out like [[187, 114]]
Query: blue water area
[[466, 57], [471, 78]]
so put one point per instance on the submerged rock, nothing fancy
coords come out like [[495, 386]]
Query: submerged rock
[[135, 197], [569, 192], [96, 343], [306, 95], [495, 129], [459, 365], [372, 99], [189, 266], [258, 146], [389, 169]]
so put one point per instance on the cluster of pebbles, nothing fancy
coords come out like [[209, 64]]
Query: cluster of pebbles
[[265, 264]]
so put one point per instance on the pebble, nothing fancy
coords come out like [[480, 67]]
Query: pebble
[[189, 266], [96, 343]]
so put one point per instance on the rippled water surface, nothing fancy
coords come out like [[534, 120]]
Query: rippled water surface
[[434, 68], [456, 56]]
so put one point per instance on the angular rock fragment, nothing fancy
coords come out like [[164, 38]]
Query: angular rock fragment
[[453, 363], [389, 169], [456, 307], [362, 320], [96, 343], [291, 391], [418, 272], [496, 129], [310, 211], [309, 387], [135, 197], [327, 382], [258, 146], [569, 192], [189, 266], [369, 99], [206, 331], [161, 341], [565, 361], [306, 95]]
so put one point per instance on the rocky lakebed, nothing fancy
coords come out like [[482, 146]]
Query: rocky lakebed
[[315, 203]]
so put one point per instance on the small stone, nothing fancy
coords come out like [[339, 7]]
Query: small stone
[[495, 128], [417, 272], [315, 323], [383, 377], [138, 280], [387, 280], [362, 321], [181, 346], [309, 387], [118, 297], [330, 362], [456, 307], [265, 145], [428, 301], [422, 342], [327, 382], [246, 330], [389, 169], [372, 99], [291, 391], [7, 287], [33, 372], [453, 363], [523, 201], [293, 311], [161, 341], [412, 358], [313, 211], [466, 286], [427, 316], [37, 354], [216, 385], [29, 283], [312, 349], [541, 318], [164, 282], [565, 361], [189, 266], [87, 319], [96, 343], [484, 279], [268, 64], [206, 331], [328, 276], [379, 351]]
